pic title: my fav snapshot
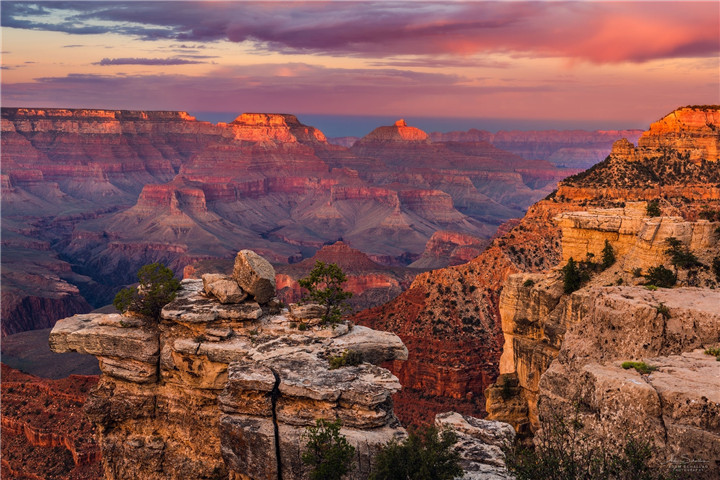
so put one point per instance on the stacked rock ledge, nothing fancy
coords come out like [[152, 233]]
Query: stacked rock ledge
[[225, 384]]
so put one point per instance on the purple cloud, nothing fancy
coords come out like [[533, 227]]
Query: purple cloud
[[600, 32], [146, 61]]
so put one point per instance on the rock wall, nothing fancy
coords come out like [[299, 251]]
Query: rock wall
[[676, 407], [217, 389], [639, 240]]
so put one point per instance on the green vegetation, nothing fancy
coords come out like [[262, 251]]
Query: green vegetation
[[653, 209], [506, 390], [324, 286], [714, 351], [573, 276], [302, 326], [663, 310], [661, 277], [327, 452], [608, 256], [427, 454], [158, 287], [562, 452], [680, 255], [716, 267], [641, 367], [346, 359], [528, 283]]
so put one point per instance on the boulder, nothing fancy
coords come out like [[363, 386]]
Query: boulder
[[222, 287], [480, 444], [255, 275]]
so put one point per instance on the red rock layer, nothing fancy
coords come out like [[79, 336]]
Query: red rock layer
[[449, 321], [371, 283], [45, 433], [572, 148]]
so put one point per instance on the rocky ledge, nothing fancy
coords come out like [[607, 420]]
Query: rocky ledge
[[225, 384]]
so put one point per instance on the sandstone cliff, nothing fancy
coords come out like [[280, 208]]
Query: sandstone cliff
[[563, 352], [108, 191], [228, 388], [532, 245], [45, 433]]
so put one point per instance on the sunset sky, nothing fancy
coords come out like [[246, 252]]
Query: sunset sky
[[551, 64]]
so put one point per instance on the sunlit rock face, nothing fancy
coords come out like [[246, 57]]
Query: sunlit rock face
[[89, 196], [229, 388]]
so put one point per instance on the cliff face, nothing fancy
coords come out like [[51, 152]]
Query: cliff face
[[449, 320], [228, 388], [108, 191], [531, 245], [675, 407], [563, 352], [676, 159], [571, 148], [45, 433]]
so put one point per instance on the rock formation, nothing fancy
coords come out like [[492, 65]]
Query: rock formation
[[229, 388], [45, 433], [571, 148], [92, 195], [532, 245], [371, 283], [480, 444], [563, 353]]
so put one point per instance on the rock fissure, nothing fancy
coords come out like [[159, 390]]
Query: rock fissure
[[274, 395], [661, 416]]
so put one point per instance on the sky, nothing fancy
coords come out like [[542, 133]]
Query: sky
[[452, 65]]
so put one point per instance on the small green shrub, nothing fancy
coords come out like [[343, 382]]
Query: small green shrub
[[157, 287], [641, 367], [506, 391], [680, 255], [572, 277], [528, 283], [661, 277], [562, 452], [663, 310], [714, 351], [347, 359], [653, 208], [327, 452], [324, 286], [302, 326], [427, 454], [716, 267], [608, 256]]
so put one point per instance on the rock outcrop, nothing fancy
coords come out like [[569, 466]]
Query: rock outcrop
[[221, 388], [45, 433], [480, 444], [676, 407]]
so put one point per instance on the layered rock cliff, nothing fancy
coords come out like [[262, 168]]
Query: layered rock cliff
[[45, 433], [108, 191], [532, 245], [571, 148], [217, 389], [563, 353]]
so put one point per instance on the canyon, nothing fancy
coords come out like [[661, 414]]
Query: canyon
[[497, 335], [89, 196], [451, 319], [228, 364]]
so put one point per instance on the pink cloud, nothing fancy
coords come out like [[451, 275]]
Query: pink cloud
[[599, 32]]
